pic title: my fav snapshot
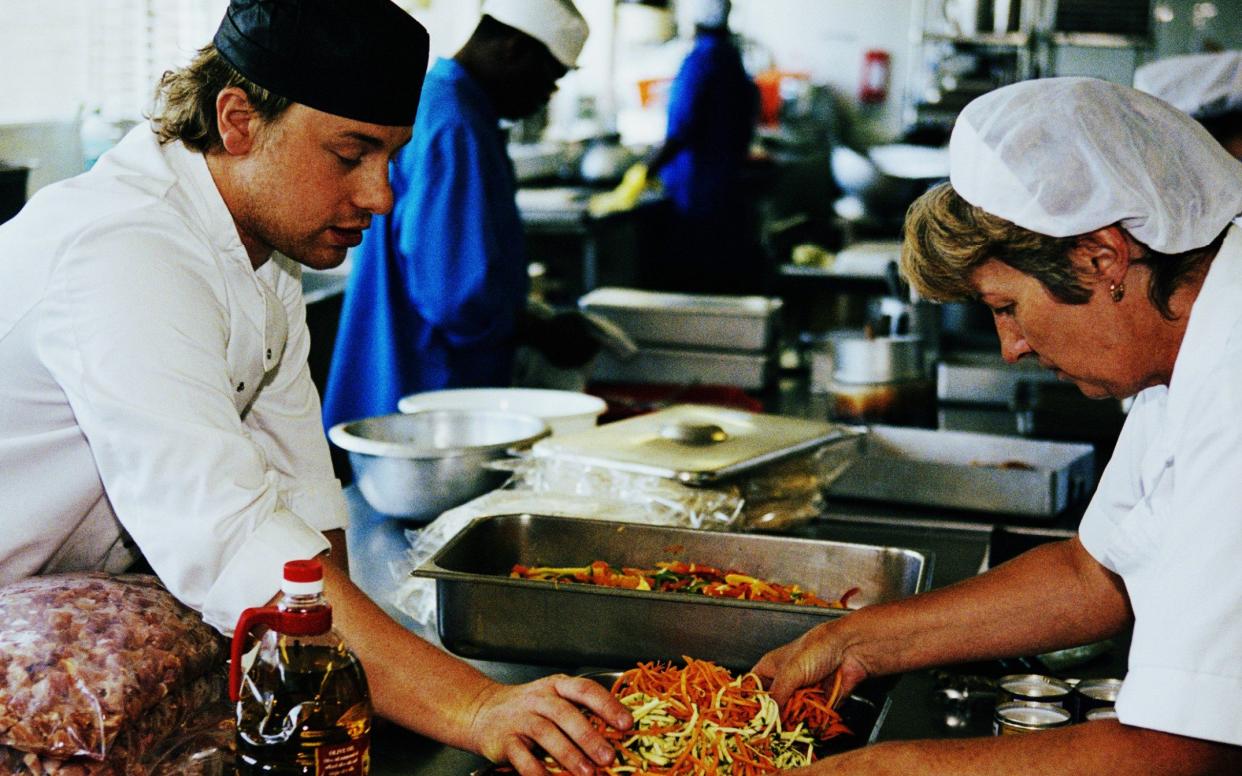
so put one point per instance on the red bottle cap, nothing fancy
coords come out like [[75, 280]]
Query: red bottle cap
[[304, 570]]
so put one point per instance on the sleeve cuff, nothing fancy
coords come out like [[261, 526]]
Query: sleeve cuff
[[320, 503], [253, 575], [1095, 533], [1187, 704]]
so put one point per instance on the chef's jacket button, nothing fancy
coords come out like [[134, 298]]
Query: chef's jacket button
[[241, 387], [269, 352]]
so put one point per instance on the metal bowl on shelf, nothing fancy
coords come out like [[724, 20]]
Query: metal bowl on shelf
[[418, 465]]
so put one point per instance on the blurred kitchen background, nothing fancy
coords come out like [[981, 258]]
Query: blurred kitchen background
[[856, 99]]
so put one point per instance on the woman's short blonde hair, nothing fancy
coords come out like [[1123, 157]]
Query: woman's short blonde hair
[[185, 101], [947, 239]]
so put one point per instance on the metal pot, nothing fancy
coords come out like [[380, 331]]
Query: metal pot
[[880, 380], [415, 466], [605, 160]]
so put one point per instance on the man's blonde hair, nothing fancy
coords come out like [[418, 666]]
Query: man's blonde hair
[[185, 101]]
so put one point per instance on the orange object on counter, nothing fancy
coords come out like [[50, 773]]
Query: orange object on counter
[[769, 83]]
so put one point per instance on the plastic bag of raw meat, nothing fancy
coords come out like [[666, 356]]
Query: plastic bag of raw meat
[[83, 656]]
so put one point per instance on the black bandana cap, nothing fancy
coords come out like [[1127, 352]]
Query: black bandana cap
[[359, 59]]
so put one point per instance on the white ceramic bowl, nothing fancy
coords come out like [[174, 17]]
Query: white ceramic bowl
[[415, 466], [563, 411]]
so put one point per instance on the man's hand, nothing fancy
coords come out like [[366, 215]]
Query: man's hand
[[512, 721]]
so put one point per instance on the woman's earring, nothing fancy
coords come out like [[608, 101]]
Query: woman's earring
[[1117, 291]]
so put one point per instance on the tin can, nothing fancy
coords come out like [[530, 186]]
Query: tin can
[[1094, 694], [1102, 712], [1034, 688], [1027, 717]]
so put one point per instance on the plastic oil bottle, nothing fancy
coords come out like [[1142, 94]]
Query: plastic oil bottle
[[303, 706]]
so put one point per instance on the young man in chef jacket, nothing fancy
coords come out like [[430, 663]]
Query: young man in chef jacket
[[155, 399]]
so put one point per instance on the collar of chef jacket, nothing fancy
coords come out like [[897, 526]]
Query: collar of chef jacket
[[248, 370]]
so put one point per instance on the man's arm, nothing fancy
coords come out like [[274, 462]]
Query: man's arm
[[1096, 748], [423, 688], [1054, 596]]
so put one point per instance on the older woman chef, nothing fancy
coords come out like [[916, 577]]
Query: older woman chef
[[1101, 227]]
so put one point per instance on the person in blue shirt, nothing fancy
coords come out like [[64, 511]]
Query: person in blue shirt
[[713, 107], [437, 292]]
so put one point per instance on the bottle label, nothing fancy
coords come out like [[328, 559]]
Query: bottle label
[[351, 759]]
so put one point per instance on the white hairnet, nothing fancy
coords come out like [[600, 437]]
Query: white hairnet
[[710, 13], [1203, 85], [1067, 156], [556, 24]]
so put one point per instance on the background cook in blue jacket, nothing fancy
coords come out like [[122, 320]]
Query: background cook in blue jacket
[[713, 106], [438, 289]]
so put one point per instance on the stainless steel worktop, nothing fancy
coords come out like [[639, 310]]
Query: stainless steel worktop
[[960, 551]]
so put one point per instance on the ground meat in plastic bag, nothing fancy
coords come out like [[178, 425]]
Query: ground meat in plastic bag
[[191, 714], [84, 654]]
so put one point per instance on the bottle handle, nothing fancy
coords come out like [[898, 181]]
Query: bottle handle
[[249, 619]]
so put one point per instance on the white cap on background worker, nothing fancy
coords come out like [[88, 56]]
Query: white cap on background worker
[[712, 14], [1203, 85], [555, 23]]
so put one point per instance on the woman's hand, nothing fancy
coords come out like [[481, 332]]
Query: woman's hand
[[513, 720], [811, 659]]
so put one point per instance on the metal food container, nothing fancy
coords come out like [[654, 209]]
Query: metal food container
[[963, 470], [698, 444], [482, 613], [748, 371], [745, 323]]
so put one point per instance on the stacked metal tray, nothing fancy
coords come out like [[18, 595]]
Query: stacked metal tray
[[963, 470], [484, 614]]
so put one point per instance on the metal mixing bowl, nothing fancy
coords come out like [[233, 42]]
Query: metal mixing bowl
[[415, 466]]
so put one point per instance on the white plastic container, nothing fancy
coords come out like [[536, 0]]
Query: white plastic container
[[563, 411]]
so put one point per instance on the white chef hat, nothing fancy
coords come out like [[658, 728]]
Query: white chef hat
[[1203, 85], [555, 23], [712, 14], [1067, 156]]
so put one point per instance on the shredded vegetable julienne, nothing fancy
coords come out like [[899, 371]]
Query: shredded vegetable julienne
[[701, 721], [681, 577]]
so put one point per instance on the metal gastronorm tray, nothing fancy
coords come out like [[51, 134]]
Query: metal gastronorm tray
[[482, 613], [964, 470]]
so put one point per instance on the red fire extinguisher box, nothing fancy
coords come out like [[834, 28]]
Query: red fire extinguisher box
[[873, 85]]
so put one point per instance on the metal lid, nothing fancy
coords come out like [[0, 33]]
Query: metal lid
[[1034, 686], [1103, 712], [1100, 689], [694, 444], [1032, 715]]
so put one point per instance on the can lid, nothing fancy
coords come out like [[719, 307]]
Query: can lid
[[1032, 715]]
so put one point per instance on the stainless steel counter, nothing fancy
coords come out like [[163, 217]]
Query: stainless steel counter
[[960, 550]]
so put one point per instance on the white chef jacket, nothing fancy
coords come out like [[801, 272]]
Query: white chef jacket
[[154, 389], [1167, 518]]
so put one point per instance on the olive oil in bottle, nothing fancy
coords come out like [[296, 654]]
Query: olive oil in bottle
[[303, 708]]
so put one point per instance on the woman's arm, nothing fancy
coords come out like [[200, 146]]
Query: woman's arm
[[1053, 596], [1096, 748]]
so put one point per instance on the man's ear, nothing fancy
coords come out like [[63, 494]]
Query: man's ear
[[237, 121], [1104, 254]]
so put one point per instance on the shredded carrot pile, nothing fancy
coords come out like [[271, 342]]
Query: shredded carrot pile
[[701, 721], [680, 577]]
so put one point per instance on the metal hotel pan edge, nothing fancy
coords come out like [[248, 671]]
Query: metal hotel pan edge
[[484, 614]]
